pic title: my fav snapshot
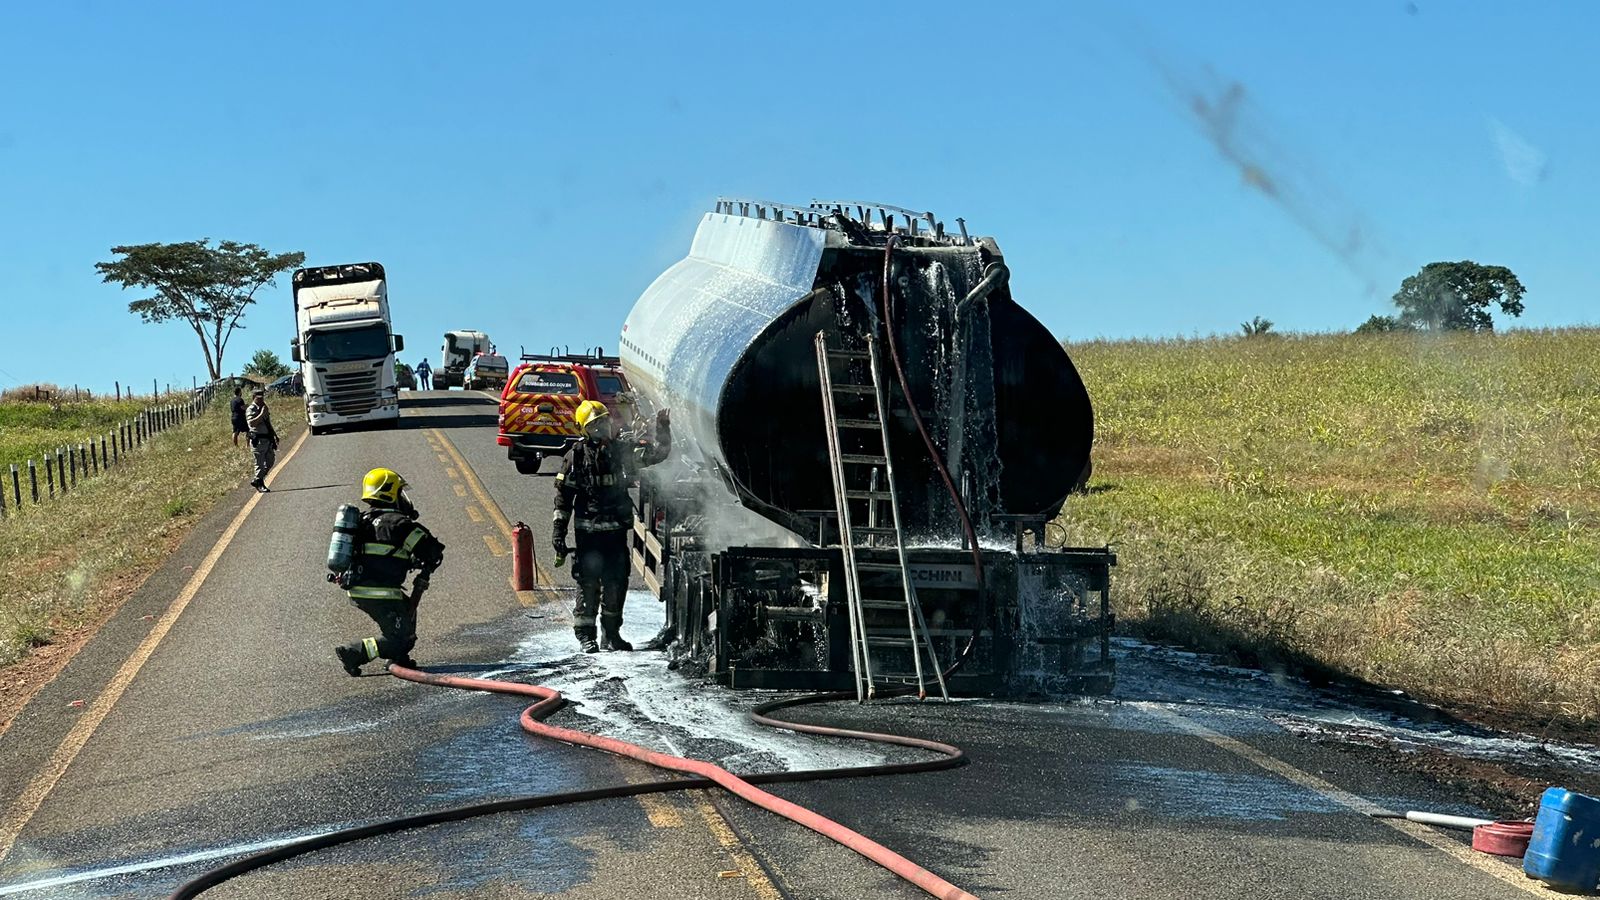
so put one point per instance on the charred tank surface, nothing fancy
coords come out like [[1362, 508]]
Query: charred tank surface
[[739, 533], [725, 338]]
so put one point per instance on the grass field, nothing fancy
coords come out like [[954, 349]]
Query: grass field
[[71, 560], [1419, 511], [30, 430]]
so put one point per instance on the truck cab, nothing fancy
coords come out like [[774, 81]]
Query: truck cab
[[458, 351], [345, 345]]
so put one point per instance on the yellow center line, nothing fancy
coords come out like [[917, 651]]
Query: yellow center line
[[460, 491], [33, 797], [540, 573], [495, 547], [1462, 853], [752, 870], [473, 514]]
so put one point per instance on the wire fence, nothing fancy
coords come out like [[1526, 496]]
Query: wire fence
[[36, 482]]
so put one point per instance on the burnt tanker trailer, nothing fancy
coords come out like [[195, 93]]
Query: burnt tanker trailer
[[952, 418]]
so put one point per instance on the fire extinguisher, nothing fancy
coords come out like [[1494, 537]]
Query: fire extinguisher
[[522, 557]]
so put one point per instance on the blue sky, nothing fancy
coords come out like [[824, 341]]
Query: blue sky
[[527, 169]]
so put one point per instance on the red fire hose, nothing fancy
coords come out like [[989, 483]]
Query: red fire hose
[[707, 775]]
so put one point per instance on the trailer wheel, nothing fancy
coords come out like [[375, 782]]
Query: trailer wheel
[[530, 466]]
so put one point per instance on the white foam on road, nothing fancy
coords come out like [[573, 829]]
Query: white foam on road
[[636, 698]]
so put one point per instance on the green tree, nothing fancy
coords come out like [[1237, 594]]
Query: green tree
[[1455, 296], [209, 287], [266, 364], [1382, 325], [1257, 327]]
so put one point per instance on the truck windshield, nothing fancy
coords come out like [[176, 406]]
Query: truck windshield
[[608, 385], [348, 344]]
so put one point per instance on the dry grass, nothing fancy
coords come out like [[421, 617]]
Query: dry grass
[[29, 429], [71, 560], [1418, 511]]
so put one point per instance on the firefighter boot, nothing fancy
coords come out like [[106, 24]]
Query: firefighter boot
[[585, 635], [610, 638], [351, 659]]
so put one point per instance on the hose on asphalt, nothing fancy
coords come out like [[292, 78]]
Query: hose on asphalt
[[705, 775]]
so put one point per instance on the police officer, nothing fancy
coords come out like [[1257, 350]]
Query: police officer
[[592, 487], [391, 542], [262, 436]]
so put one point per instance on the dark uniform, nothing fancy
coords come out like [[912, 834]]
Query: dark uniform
[[592, 493], [391, 544]]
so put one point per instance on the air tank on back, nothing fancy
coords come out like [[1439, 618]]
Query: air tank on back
[[726, 339]]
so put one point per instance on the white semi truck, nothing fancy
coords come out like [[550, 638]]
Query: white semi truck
[[345, 345], [458, 350]]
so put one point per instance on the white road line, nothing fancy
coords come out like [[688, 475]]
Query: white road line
[[1494, 868], [164, 863]]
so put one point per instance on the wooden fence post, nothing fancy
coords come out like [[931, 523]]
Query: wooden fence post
[[119, 392], [16, 486], [33, 481], [72, 465], [49, 477], [61, 471], [3, 497]]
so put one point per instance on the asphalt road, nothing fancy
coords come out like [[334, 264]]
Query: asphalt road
[[214, 719]]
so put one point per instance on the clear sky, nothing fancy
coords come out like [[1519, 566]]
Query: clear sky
[[527, 168]]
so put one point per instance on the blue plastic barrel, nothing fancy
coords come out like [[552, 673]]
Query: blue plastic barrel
[[1565, 849]]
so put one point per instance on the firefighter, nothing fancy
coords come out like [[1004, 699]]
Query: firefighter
[[593, 487], [390, 543]]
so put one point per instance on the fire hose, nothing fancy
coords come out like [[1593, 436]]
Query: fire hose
[[705, 775]]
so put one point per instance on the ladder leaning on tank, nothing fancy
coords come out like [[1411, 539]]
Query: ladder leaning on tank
[[853, 537]]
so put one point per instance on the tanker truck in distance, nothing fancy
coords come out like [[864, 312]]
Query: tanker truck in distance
[[456, 354], [871, 443], [346, 346]]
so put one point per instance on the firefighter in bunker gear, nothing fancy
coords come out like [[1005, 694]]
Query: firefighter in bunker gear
[[592, 487], [390, 543]]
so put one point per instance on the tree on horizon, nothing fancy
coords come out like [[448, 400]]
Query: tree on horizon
[[208, 287]]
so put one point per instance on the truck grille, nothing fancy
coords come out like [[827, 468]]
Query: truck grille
[[353, 393]]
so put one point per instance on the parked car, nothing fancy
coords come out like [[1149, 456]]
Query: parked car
[[404, 378], [487, 370], [291, 385]]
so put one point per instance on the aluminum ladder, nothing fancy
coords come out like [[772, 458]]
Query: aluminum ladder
[[852, 537]]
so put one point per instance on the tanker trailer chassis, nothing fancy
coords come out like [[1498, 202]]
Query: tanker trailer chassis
[[778, 617]]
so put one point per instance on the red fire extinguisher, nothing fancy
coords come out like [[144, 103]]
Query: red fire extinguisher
[[522, 557]]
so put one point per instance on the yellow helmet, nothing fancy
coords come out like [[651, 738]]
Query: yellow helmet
[[382, 486], [590, 411]]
